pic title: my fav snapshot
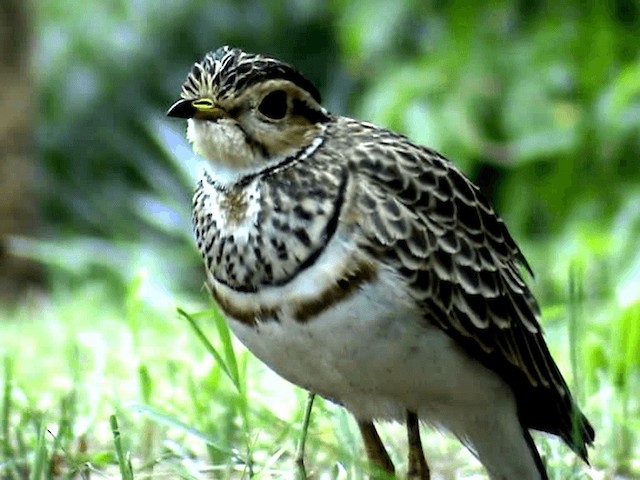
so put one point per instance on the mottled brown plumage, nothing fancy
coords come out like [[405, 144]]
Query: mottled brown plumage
[[324, 215]]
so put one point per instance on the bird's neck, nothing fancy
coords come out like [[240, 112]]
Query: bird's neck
[[229, 175]]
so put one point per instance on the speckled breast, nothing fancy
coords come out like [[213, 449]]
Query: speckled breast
[[267, 228]]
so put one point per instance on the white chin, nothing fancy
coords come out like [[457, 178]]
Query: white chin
[[222, 143]]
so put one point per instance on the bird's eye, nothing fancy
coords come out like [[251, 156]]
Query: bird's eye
[[274, 105]]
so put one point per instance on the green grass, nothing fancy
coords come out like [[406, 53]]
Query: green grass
[[101, 382]]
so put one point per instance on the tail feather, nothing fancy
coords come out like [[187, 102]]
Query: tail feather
[[580, 435]]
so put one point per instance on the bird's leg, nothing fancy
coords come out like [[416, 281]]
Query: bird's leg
[[376, 452], [302, 472], [418, 468]]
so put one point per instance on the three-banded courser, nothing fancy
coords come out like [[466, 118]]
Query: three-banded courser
[[368, 269]]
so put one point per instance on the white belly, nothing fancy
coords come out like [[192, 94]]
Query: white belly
[[373, 354]]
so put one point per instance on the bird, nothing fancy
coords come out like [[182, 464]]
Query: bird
[[369, 270]]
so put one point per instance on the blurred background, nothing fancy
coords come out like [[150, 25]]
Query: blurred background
[[537, 102]]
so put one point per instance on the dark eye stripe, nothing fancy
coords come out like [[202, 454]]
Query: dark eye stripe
[[314, 115]]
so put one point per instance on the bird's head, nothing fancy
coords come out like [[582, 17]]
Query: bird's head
[[245, 110]]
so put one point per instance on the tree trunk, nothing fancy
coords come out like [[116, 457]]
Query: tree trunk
[[18, 105]]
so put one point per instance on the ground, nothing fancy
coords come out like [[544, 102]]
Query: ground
[[76, 356]]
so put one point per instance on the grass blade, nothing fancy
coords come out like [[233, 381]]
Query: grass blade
[[124, 460], [302, 441], [8, 451], [40, 461], [229, 372], [6, 399], [171, 421], [227, 344]]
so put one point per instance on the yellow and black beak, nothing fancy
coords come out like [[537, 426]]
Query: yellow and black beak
[[200, 108]]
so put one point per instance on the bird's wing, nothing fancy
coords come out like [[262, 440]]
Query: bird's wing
[[421, 215]]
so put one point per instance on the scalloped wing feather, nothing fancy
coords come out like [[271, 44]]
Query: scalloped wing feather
[[422, 215]]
